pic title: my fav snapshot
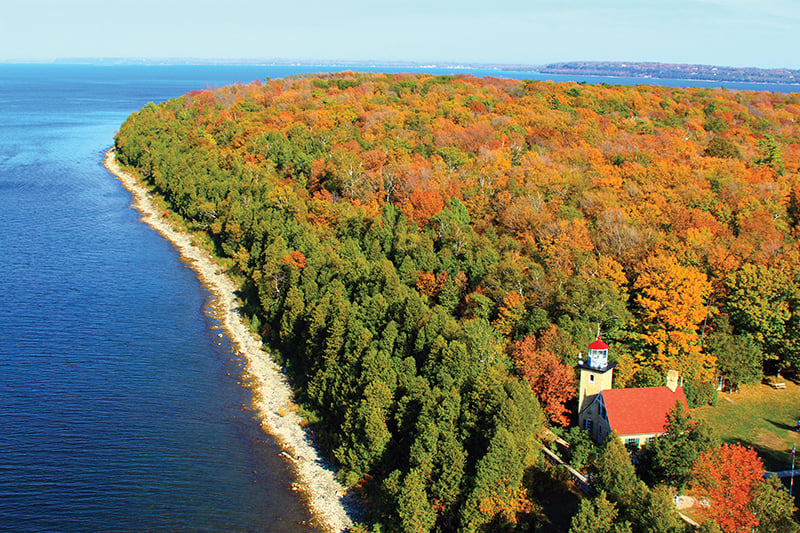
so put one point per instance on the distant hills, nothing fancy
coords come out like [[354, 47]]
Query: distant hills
[[672, 71]]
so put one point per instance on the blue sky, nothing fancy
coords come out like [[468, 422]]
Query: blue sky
[[740, 33]]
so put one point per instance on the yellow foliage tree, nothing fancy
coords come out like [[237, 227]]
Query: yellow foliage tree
[[509, 504], [672, 301], [510, 313]]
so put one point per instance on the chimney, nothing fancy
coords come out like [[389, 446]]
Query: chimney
[[672, 380]]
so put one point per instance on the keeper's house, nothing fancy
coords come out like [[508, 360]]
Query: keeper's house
[[637, 415]]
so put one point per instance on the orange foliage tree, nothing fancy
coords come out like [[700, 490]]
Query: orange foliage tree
[[510, 313], [725, 482]]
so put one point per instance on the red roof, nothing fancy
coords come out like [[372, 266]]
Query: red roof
[[598, 345], [643, 410]]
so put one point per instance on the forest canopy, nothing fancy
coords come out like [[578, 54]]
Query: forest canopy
[[428, 255]]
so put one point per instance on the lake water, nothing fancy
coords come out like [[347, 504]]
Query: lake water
[[120, 407]]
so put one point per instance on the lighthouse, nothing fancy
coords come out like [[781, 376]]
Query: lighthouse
[[638, 415], [595, 376]]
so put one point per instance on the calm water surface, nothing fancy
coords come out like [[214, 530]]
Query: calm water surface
[[119, 405]]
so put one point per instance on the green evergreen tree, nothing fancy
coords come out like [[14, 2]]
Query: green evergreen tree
[[654, 512], [616, 475], [670, 457], [498, 481], [596, 515], [413, 507]]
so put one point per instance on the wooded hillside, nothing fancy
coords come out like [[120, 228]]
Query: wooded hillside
[[429, 254]]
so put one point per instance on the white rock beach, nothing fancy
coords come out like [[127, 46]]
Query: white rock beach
[[272, 395]]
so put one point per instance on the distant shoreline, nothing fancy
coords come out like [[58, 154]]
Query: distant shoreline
[[677, 72], [614, 69], [272, 396]]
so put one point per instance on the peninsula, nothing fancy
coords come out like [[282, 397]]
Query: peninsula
[[672, 71], [426, 256]]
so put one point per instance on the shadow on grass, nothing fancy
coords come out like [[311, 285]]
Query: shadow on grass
[[777, 461], [781, 425], [774, 460]]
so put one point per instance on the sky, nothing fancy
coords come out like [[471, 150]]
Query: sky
[[736, 33]]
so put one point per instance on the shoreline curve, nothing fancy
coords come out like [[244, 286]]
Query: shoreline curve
[[272, 395]]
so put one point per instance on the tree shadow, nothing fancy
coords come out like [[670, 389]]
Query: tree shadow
[[774, 460], [553, 490], [774, 371], [781, 425]]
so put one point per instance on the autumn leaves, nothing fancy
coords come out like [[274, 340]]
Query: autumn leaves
[[429, 254]]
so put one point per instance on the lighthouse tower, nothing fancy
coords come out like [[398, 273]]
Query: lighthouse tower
[[595, 375]]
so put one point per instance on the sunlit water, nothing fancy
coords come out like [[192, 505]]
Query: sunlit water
[[120, 408]]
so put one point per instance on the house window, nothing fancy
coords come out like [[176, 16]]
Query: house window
[[632, 442], [587, 424], [591, 378], [649, 440]]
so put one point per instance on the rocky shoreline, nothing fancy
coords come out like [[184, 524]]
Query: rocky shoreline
[[272, 395]]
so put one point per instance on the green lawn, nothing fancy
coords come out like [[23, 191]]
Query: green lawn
[[761, 417]]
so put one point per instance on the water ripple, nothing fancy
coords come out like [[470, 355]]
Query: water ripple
[[119, 409]]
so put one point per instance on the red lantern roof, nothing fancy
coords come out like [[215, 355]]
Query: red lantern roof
[[598, 345]]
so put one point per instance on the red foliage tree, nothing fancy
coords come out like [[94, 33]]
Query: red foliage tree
[[551, 380], [295, 259], [725, 480]]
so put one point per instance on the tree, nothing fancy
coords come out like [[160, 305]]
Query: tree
[[595, 300], [774, 507], [616, 474], [670, 457], [498, 492], [551, 380], [582, 449], [771, 154], [554, 387], [415, 512], [722, 147], [510, 314], [641, 508], [672, 301], [365, 432], [595, 515], [725, 483], [654, 512], [739, 357], [759, 303]]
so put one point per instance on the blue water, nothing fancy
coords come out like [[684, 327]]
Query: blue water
[[120, 407], [119, 404]]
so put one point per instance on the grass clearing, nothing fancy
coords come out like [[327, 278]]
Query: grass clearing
[[758, 416]]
